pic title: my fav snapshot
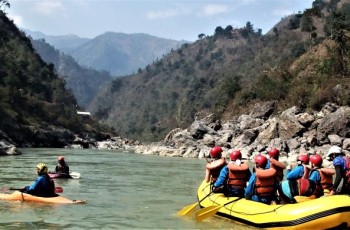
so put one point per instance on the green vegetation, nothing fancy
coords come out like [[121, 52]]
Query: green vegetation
[[303, 61], [31, 94]]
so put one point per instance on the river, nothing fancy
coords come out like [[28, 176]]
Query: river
[[123, 190]]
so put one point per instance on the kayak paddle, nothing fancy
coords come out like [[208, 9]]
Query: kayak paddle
[[211, 210], [187, 210], [75, 175], [57, 189]]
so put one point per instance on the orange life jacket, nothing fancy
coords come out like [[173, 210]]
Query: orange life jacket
[[213, 169], [279, 168], [326, 178], [265, 182], [237, 176]]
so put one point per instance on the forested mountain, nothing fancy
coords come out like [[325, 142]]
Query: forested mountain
[[302, 61], [84, 82], [117, 53], [122, 54], [32, 96]]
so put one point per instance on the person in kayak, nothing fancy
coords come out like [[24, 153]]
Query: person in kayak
[[213, 168], [61, 167], [341, 164], [235, 175], [43, 186], [262, 184]]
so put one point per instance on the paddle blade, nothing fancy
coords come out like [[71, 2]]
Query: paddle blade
[[75, 175], [58, 189], [207, 212], [300, 199], [187, 210]]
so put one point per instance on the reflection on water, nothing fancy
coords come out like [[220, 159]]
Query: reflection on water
[[123, 191]]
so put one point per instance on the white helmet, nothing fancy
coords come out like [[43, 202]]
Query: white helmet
[[334, 150]]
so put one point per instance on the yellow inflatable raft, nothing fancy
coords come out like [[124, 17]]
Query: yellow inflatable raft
[[322, 213], [19, 196]]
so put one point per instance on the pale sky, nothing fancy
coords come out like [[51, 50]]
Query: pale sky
[[172, 19]]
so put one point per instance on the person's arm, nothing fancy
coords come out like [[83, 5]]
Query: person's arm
[[295, 173], [207, 175], [338, 177], [315, 176], [222, 177], [249, 191], [31, 188]]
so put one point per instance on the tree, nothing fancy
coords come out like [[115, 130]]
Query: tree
[[4, 4], [219, 31], [308, 26], [340, 37], [228, 31], [201, 36]]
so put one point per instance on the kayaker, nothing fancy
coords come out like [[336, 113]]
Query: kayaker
[[214, 167], [341, 165], [262, 184], [301, 170], [43, 186], [61, 167], [273, 162], [234, 176]]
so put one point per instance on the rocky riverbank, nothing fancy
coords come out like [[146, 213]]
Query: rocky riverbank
[[54, 137], [293, 132]]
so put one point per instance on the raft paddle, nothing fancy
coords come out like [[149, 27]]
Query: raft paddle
[[75, 175], [57, 189], [187, 210], [211, 210]]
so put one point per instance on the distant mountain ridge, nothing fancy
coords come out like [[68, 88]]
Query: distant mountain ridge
[[64, 43], [118, 53], [121, 53]]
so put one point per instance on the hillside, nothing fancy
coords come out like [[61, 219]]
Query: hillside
[[228, 72], [34, 102], [84, 82], [120, 53]]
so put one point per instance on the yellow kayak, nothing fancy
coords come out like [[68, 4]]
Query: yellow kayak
[[19, 196], [322, 213]]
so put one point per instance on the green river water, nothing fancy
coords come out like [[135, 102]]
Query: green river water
[[123, 191]]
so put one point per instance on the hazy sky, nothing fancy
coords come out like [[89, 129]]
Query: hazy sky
[[173, 19]]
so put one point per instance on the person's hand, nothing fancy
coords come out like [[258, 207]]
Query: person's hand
[[331, 193], [289, 167], [215, 189]]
